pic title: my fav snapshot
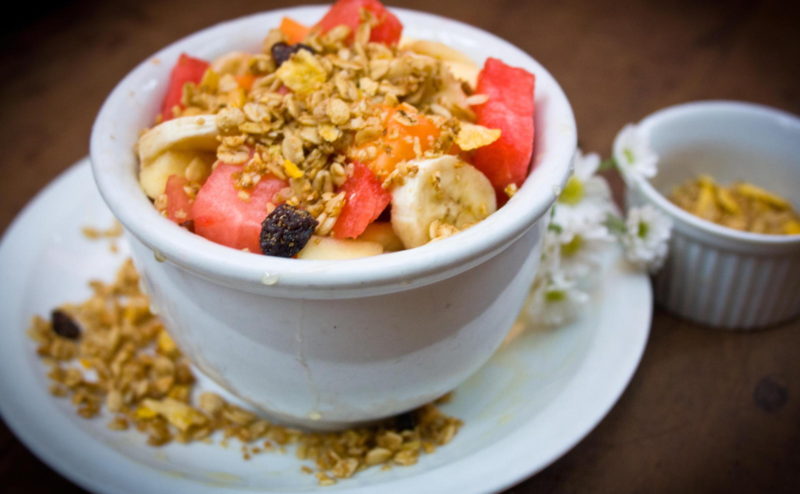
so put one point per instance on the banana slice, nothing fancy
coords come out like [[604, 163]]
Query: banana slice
[[329, 249], [435, 50], [194, 133], [193, 165], [234, 63], [465, 72], [382, 233], [460, 65], [181, 146], [445, 194]]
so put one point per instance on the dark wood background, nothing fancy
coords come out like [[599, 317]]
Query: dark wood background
[[707, 411]]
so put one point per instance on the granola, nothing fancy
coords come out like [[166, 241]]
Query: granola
[[340, 100], [115, 360], [741, 206], [298, 117]]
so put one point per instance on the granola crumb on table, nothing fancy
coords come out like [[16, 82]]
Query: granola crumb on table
[[117, 361]]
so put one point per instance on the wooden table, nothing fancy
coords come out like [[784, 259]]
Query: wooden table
[[707, 411]]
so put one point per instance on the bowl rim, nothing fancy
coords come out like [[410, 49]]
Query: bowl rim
[[382, 274], [686, 218]]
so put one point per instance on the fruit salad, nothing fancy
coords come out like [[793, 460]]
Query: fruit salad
[[339, 140]]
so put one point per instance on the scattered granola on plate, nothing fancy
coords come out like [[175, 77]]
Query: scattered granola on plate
[[111, 356]]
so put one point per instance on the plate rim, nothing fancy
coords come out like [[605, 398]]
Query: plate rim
[[515, 467]]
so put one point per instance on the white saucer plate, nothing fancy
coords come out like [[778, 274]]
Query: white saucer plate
[[532, 402]]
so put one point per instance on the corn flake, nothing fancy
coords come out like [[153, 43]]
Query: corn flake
[[742, 206], [472, 136], [302, 73]]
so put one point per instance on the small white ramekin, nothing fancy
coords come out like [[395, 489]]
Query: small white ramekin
[[715, 275], [320, 343]]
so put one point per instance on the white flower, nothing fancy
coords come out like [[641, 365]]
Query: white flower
[[586, 196], [551, 254], [579, 247], [554, 301], [578, 234], [646, 236], [633, 153]]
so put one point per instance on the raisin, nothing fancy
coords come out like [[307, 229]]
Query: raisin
[[64, 325], [406, 421], [282, 52], [386, 215], [188, 224], [286, 230]]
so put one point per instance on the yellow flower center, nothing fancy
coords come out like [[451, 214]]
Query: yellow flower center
[[629, 155], [572, 247], [573, 192], [555, 295], [644, 229]]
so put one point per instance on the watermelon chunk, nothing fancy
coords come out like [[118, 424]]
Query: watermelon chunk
[[348, 13], [510, 108], [187, 69], [221, 216], [365, 200], [179, 204]]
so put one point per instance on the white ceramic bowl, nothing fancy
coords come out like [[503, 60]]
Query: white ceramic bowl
[[326, 344], [716, 275]]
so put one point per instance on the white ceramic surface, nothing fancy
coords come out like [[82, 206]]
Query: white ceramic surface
[[526, 407], [716, 275], [345, 341]]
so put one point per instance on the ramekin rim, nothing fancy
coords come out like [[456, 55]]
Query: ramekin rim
[[675, 212]]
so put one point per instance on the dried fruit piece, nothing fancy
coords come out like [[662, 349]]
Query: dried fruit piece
[[64, 325], [406, 421], [282, 52], [286, 230], [293, 31]]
